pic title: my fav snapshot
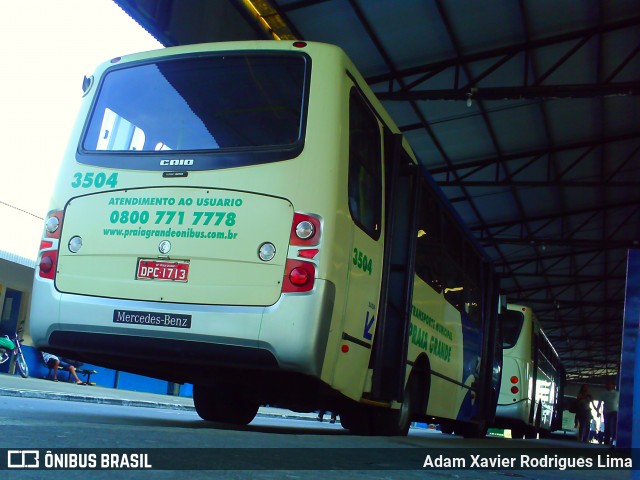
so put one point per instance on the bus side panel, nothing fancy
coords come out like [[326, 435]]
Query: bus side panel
[[437, 331], [365, 253], [360, 314]]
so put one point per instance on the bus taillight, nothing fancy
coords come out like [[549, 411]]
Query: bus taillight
[[514, 388], [49, 258], [48, 262], [299, 276], [305, 230]]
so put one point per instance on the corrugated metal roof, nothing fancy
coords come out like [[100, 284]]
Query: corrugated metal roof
[[14, 258]]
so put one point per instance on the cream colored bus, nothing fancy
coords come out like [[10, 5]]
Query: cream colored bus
[[530, 402], [246, 217]]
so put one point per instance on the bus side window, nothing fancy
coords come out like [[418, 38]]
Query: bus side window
[[429, 248], [365, 176]]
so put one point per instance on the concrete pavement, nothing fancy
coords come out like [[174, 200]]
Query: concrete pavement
[[16, 386]]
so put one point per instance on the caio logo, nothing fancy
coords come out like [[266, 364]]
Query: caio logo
[[177, 162]]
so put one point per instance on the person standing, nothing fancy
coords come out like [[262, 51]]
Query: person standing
[[584, 416], [611, 399]]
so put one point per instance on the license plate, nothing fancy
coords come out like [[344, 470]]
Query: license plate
[[172, 271]]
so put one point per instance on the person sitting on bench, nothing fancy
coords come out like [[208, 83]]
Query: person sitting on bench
[[54, 363]]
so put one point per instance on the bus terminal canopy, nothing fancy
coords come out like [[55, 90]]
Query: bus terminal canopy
[[526, 113]]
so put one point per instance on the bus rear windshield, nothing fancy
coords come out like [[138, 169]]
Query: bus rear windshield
[[210, 103], [511, 326]]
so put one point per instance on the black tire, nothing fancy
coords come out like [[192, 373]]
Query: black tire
[[23, 368], [357, 420], [517, 432], [473, 430], [396, 423], [224, 404]]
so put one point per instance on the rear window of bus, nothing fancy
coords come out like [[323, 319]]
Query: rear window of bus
[[211, 103]]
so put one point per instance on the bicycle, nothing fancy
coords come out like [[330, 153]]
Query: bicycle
[[11, 347]]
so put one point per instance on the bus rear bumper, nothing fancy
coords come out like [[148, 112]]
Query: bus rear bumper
[[290, 335]]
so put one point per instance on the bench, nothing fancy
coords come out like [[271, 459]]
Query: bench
[[86, 372]]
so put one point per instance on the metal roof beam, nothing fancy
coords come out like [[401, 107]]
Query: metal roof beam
[[516, 93], [564, 304], [562, 275], [565, 242], [536, 183]]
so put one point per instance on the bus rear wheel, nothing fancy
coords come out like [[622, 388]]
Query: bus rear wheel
[[357, 419], [396, 423], [224, 404]]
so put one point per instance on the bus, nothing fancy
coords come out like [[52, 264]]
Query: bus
[[533, 378], [246, 217]]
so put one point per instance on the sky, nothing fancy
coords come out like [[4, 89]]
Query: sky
[[46, 49]]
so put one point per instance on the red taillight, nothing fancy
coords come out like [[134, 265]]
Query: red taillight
[[514, 389], [299, 276], [305, 230], [49, 258], [48, 263], [312, 252], [514, 379]]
